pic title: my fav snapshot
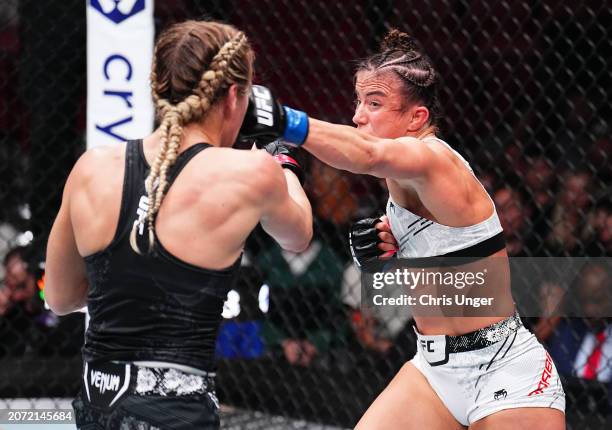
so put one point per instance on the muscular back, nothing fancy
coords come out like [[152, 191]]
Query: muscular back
[[205, 216]]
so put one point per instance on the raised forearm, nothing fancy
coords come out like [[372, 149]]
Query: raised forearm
[[342, 147], [297, 194]]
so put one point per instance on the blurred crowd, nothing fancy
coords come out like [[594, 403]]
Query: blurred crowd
[[305, 309]]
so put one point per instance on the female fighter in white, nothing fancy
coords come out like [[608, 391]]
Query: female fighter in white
[[485, 372]]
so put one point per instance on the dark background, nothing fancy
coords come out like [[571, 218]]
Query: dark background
[[526, 92]]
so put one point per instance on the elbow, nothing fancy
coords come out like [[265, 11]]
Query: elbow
[[373, 160], [59, 305], [307, 237], [56, 305], [302, 241], [60, 311]]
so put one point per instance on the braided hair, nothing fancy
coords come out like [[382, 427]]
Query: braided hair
[[403, 55], [194, 63]]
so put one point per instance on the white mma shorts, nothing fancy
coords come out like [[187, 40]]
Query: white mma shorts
[[499, 367]]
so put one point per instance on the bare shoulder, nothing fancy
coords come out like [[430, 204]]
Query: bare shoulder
[[432, 151], [407, 140], [445, 157], [429, 147], [257, 167], [103, 162], [100, 158]]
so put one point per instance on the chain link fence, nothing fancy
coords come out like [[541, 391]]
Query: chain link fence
[[526, 93]]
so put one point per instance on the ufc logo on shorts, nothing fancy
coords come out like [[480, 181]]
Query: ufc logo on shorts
[[263, 106], [426, 345]]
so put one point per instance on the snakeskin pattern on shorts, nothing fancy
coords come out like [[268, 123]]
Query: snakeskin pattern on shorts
[[485, 336], [171, 382]]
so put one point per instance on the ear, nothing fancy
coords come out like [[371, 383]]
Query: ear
[[231, 100], [418, 117]]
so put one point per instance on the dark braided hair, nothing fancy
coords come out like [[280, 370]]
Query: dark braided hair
[[403, 55]]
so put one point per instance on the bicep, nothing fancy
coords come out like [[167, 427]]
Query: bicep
[[404, 158]]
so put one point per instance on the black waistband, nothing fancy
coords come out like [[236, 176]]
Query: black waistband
[[106, 383], [484, 337], [482, 249], [468, 255]]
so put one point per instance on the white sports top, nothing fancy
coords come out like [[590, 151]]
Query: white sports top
[[419, 237]]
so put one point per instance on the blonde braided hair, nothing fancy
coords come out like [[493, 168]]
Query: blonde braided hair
[[225, 68]]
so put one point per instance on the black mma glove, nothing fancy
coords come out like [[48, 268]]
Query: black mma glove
[[364, 241], [267, 120], [282, 155]]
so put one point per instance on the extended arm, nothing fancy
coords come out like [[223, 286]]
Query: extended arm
[[340, 146], [347, 148]]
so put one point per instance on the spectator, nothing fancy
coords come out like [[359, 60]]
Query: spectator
[[374, 326], [568, 214], [540, 187], [330, 189], [5, 301], [8, 234], [582, 347], [305, 317], [22, 309], [243, 312], [550, 299], [366, 326], [512, 215], [597, 232], [334, 203], [20, 279], [599, 157]]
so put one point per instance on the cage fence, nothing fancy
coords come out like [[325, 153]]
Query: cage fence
[[526, 97]]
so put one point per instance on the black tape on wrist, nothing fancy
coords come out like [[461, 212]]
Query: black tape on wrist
[[288, 162]]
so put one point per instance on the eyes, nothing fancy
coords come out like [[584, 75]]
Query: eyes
[[370, 104]]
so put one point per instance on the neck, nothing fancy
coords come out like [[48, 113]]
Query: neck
[[422, 133], [195, 133], [430, 130]]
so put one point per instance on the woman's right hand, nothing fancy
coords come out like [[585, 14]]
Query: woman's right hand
[[388, 244], [372, 240]]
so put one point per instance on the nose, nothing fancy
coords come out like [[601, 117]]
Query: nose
[[359, 118]]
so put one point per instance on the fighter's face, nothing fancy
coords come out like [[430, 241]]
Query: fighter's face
[[379, 106]]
